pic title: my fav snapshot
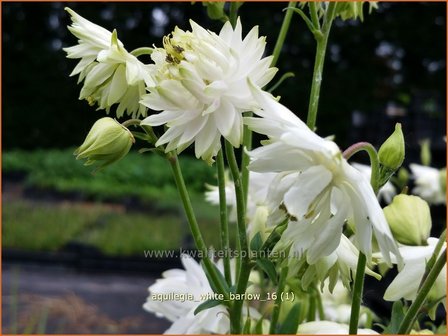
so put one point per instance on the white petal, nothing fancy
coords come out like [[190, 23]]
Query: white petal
[[309, 184]]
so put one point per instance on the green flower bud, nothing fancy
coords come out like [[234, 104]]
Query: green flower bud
[[391, 154], [409, 218], [108, 141], [215, 9], [425, 152]]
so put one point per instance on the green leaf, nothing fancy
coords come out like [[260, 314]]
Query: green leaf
[[291, 322], [275, 236], [268, 267], [207, 305], [220, 278], [246, 328], [397, 316], [256, 243], [259, 326]]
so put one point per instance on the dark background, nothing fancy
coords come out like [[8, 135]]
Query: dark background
[[389, 68]]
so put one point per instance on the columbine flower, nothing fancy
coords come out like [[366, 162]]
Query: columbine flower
[[329, 328], [111, 75], [192, 288], [107, 141], [257, 210], [428, 183], [316, 186], [406, 283], [339, 265], [387, 191], [202, 86]]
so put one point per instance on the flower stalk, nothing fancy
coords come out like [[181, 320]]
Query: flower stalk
[[321, 36], [194, 227], [244, 269], [224, 223]]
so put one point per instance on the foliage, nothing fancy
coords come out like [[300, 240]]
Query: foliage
[[147, 177]]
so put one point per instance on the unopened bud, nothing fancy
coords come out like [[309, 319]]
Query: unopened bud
[[108, 141], [391, 154], [409, 218]]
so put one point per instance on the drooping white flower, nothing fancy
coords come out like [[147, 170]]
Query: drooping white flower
[[192, 288], [428, 183], [257, 210], [201, 86], [406, 283], [329, 328], [386, 192], [315, 185], [111, 75]]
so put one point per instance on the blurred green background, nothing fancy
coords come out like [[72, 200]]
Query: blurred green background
[[390, 68]]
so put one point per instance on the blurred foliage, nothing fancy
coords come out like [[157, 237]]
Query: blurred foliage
[[145, 176], [398, 52], [46, 226]]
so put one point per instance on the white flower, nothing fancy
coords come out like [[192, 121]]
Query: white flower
[[387, 191], [316, 186], [257, 210], [406, 283], [111, 75], [329, 328], [192, 288], [202, 86], [339, 265], [428, 186]]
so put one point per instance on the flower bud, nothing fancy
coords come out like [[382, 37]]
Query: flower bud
[[108, 141], [391, 154], [409, 218], [215, 9]]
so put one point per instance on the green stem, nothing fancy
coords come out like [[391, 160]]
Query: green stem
[[131, 122], [245, 159], [374, 162], [194, 227], [411, 314], [437, 249], [278, 301], [314, 15], [244, 269], [357, 294], [224, 223], [283, 31], [362, 260], [142, 51], [321, 40]]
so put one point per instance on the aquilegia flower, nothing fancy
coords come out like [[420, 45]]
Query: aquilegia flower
[[406, 283], [316, 185], [180, 292], [429, 183], [111, 75], [201, 86]]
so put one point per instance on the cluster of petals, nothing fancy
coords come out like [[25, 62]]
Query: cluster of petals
[[316, 186], [111, 75], [201, 86]]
